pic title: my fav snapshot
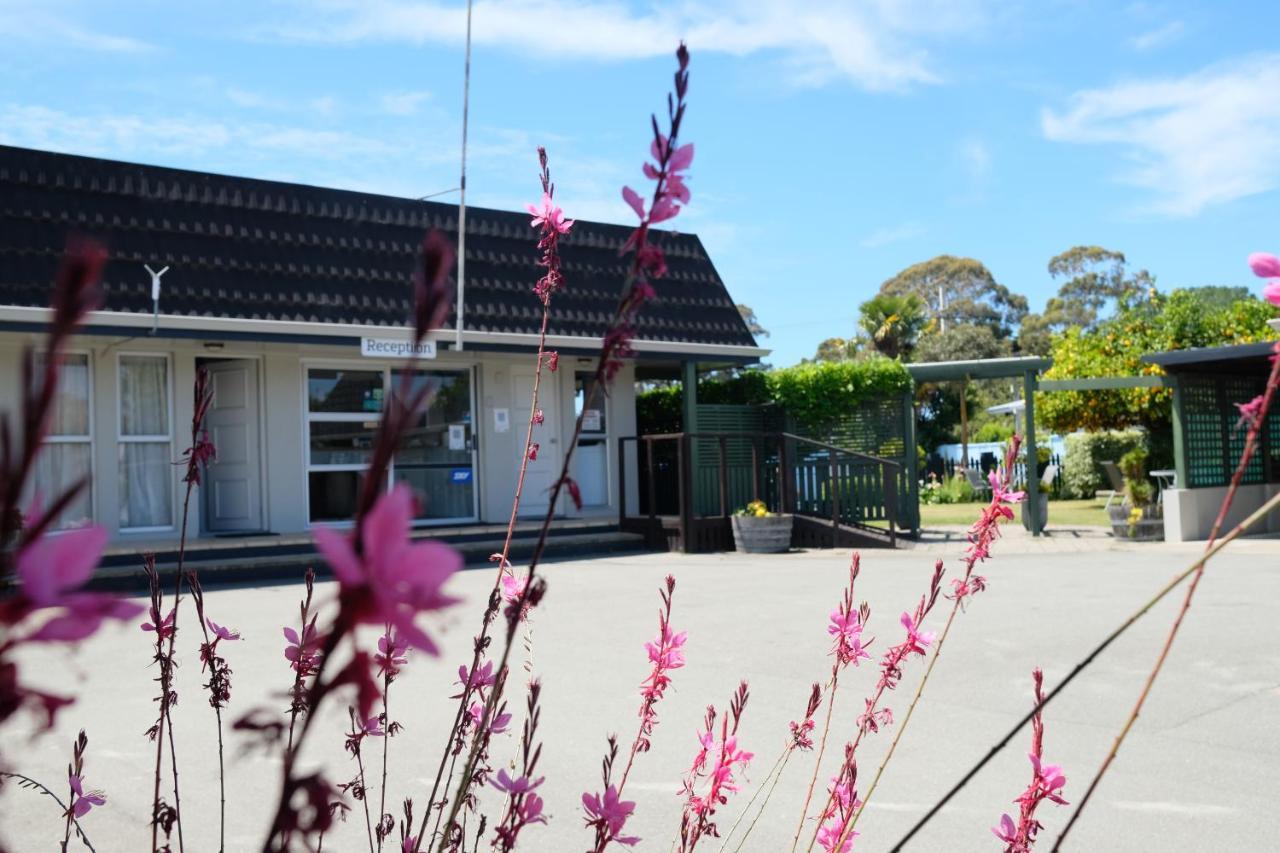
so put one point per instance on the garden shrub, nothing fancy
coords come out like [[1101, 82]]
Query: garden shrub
[[992, 431], [1082, 474]]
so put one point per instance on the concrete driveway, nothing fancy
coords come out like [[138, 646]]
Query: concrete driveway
[[1199, 773]]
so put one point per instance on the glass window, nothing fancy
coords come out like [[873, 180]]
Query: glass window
[[435, 459], [594, 420], [350, 391], [342, 442], [145, 448], [333, 494], [66, 458]]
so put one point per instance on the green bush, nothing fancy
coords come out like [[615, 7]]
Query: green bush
[[1082, 474], [1137, 488], [993, 431], [818, 394]]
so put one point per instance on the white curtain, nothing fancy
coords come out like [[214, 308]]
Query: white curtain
[[71, 409], [146, 470], [146, 481], [60, 465]]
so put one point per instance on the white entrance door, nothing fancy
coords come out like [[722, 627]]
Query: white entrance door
[[233, 487], [544, 470]]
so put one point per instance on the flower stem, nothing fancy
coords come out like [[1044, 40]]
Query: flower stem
[[386, 737], [28, 782], [1251, 442], [817, 764], [1271, 505], [778, 766]]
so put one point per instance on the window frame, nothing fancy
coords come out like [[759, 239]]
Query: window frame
[[87, 438], [385, 369], [122, 439]]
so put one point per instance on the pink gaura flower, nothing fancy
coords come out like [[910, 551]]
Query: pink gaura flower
[[553, 360], [51, 567], [221, 633], [632, 198], [538, 417], [846, 631], [1050, 778], [162, 627], [609, 812], [409, 844], [1264, 265], [517, 785], [1007, 831], [391, 655], [1000, 493], [84, 801], [917, 640], [392, 579], [1271, 292], [533, 451], [666, 651], [529, 809], [371, 727], [302, 654], [1249, 411], [513, 588], [501, 721], [548, 214]]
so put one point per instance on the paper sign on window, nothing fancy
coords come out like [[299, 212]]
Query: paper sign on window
[[457, 437], [501, 420], [591, 420]]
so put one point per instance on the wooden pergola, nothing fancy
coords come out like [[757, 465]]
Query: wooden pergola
[[1027, 367]]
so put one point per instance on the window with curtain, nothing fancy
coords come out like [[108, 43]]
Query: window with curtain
[[66, 457], [146, 445]]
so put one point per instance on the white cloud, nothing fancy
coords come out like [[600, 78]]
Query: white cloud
[[137, 136], [43, 23], [895, 234], [403, 103], [1193, 141], [1159, 37], [876, 45]]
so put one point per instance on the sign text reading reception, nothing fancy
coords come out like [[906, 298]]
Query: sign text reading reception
[[388, 348]]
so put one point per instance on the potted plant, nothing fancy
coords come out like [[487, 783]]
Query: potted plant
[[1137, 517], [758, 531]]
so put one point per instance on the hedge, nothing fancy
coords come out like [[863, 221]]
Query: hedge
[[1082, 474]]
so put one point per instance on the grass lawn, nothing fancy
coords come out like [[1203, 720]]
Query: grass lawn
[[1061, 513]]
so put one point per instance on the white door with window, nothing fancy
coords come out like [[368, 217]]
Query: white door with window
[[233, 483], [544, 470]]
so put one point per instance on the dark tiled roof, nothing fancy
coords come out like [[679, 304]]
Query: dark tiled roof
[[245, 248]]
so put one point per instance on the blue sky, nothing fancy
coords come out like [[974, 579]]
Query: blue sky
[[834, 146]]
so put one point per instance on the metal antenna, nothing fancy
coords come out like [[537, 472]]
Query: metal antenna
[[155, 296], [462, 190]]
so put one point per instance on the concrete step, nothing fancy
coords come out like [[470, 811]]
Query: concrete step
[[263, 566]]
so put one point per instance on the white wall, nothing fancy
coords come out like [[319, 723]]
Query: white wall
[[1189, 513], [282, 421]]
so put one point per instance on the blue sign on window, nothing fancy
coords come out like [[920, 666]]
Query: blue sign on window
[[460, 475]]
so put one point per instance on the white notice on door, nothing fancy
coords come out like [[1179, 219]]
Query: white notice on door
[[591, 420], [457, 437], [501, 420]]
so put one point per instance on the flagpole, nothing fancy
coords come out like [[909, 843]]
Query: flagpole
[[462, 195]]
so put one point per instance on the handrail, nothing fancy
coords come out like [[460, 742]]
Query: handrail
[[674, 436]]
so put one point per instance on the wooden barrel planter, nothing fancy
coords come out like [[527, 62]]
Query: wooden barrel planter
[[1148, 528], [1044, 512], [768, 535]]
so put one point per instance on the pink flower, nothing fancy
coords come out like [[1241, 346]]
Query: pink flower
[[221, 633], [393, 579], [162, 627], [917, 640], [665, 652], [1271, 292], [513, 588], [371, 726], [846, 629], [632, 198], [533, 451], [83, 801], [610, 813], [302, 654], [501, 721], [409, 844], [1050, 778], [1250, 411], [515, 786], [553, 360], [550, 216], [1264, 265], [391, 655], [50, 568], [538, 417], [1000, 493], [1007, 831]]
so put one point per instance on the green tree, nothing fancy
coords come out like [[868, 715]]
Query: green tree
[[1183, 319], [1095, 282], [960, 291], [753, 324], [837, 349], [893, 322]]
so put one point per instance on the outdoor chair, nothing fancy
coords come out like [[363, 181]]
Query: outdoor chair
[[1117, 482], [979, 482], [1050, 474]]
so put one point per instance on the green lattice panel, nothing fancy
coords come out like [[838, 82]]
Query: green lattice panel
[[1241, 389], [1204, 433]]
